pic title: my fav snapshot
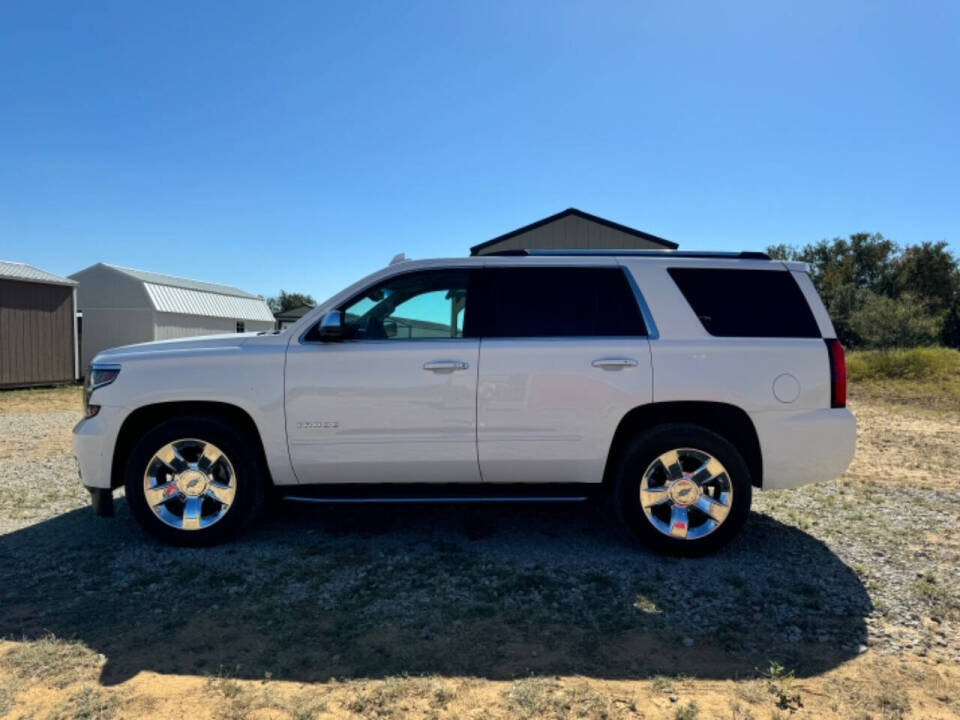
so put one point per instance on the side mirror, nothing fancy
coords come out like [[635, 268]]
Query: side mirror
[[331, 326], [390, 328]]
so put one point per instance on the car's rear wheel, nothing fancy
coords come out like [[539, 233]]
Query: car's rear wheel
[[682, 489], [194, 481]]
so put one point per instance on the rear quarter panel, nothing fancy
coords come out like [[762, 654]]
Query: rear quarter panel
[[801, 438], [690, 364]]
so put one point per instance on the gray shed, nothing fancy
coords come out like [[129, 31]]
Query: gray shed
[[38, 335], [286, 318], [121, 306], [573, 229]]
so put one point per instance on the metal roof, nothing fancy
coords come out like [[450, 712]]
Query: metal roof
[[179, 282], [294, 313], [666, 244], [28, 273], [167, 298]]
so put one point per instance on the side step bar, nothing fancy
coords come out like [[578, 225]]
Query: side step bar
[[446, 493], [435, 499]]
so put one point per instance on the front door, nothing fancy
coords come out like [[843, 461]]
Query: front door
[[395, 401]]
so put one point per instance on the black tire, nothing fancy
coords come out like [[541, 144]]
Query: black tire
[[643, 451], [249, 476]]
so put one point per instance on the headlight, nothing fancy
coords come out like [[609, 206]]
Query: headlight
[[98, 375]]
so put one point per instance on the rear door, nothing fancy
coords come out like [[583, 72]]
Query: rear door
[[563, 357]]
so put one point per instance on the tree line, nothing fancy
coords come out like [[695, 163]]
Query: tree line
[[882, 295], [287, 301]]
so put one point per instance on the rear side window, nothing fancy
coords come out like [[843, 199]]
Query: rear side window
[[747, 303], [558, 302]]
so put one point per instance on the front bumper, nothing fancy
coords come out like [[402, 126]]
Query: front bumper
[[93, 441], [101, 499]]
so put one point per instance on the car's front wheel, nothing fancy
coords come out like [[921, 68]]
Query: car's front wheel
[[682, 489], [193, 480]]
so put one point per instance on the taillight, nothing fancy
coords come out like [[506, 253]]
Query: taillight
[[838, 374]]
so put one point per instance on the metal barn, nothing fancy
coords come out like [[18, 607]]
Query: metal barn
[[38, 338], [573, 229], [286, 318], [122, 306]]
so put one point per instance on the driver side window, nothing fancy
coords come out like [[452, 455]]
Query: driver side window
[[427, 305]]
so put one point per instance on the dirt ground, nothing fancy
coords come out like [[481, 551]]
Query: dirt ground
[[839, 600]]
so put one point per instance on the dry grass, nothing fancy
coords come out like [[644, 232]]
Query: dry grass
[[871, 686], [62, 398], [52, 661], [927, 378]]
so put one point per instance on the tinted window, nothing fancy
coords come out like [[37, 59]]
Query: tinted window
[[421, 305], [747, 303], [558, 302]]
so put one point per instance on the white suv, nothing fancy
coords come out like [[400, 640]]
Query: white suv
[[671, 382]]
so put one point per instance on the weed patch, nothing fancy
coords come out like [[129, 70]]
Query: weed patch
[[90, 703], [51, 659]]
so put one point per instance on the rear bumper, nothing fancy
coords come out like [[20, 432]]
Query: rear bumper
[[800, 447]]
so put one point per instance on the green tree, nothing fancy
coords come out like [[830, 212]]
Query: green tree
[[950, 333], [884, 322], [286, 301], [864, 260], [867, 279], [928, 271]]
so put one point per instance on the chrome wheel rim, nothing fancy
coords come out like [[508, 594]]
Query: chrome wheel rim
[[189, 484], [686, 493]]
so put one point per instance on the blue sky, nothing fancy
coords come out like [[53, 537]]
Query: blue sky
[[301, 145]]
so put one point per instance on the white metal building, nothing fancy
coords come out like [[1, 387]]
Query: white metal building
[[121, 306]]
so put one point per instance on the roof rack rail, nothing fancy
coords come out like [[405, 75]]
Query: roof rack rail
[[737, 255]]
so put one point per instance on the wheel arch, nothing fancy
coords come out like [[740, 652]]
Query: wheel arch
[[728, 421], [143, 418]]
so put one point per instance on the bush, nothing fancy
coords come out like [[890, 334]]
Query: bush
[[882, 322], [950, 335], [927, 363]]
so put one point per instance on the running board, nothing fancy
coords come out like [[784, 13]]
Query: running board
[[425, 499], [445, 493]]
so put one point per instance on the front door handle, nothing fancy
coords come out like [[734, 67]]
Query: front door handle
[[445, 365], [614, 363]]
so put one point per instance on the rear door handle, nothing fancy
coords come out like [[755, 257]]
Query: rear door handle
[[614, 363], [445, 365]]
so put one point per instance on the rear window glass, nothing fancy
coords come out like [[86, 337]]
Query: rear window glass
[[747, 303], [559, 302]]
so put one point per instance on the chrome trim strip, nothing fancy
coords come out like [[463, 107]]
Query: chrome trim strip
[[340, 500], [652, 332]]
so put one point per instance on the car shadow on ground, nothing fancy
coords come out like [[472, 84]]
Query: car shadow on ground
[[504, 591]]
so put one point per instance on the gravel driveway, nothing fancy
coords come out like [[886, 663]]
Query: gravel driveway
[[819, 575]]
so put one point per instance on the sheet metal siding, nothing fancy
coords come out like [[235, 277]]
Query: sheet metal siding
[[171, 327], [101, 286], [194, 302], [572, 233], [36, 333], [105, 328]]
